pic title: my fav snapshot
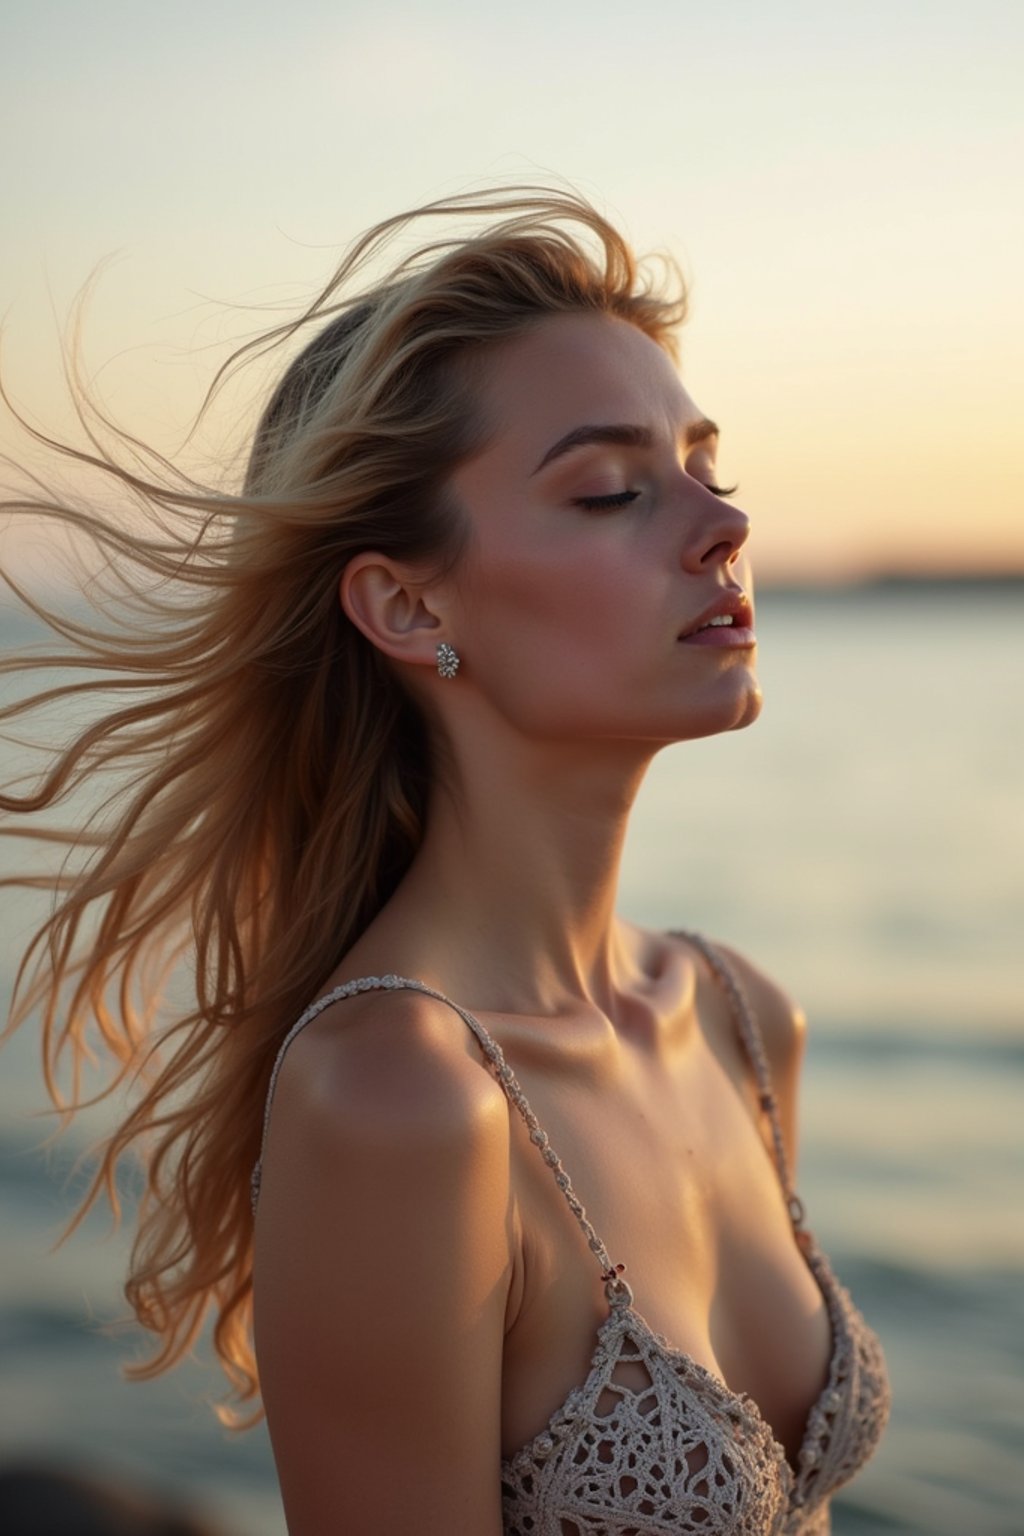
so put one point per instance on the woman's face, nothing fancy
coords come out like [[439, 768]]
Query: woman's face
[[596, 549]]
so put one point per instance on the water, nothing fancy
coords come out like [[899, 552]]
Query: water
[[865, 843]]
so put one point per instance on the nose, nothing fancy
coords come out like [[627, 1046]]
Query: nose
[[716, 533]]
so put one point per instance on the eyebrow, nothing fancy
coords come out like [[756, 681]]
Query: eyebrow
[[624, 436]]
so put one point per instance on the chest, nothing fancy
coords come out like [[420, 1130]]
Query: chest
[[671, 1164]]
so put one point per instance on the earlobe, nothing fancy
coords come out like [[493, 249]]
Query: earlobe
[[391, 608]]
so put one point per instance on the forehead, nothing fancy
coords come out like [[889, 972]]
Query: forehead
[[575, 370]]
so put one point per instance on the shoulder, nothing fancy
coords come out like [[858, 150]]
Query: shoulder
[[783, 1029], [387, 1069], [382, 1267], [781, 1020]]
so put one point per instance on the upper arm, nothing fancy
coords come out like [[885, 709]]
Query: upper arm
[[784, 1032], [382, 1267]]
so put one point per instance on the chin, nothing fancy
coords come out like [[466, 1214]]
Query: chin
[[732, 714], [750, 708]]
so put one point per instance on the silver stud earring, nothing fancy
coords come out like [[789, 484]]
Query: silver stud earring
[[448, 659]]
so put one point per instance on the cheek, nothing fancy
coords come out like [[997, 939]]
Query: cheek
[[561, 641], [555, 602]]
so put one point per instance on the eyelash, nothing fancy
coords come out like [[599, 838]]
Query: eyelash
[[623, 498]]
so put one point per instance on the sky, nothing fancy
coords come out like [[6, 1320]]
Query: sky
[[841, 185]]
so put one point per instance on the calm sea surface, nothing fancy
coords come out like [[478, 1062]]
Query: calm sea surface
[[865, 843]]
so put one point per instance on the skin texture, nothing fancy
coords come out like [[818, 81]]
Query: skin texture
[[424, 1299]]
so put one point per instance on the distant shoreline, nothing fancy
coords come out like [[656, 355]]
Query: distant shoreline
[[924, 583]]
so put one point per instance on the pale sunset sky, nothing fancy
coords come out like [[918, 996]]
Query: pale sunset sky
[[841, 184]]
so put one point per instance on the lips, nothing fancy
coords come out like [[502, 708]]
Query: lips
[[731, 611]]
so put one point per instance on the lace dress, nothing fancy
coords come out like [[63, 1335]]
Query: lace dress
[[673, 1451]]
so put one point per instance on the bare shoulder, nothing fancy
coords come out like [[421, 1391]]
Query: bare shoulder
[[782, 1021], [389, 1067], [382, 1267], [783, 1029]]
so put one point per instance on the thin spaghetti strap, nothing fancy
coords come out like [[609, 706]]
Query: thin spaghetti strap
[[750, 1034], [617, 1290]]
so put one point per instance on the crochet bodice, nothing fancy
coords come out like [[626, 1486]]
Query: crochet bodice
[[652, 1443]]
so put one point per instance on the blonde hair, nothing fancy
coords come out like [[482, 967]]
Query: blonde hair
[[274, 774]]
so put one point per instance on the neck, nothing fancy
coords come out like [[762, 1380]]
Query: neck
[[518, 871]]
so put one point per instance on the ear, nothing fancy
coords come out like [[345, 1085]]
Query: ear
[[397, 612]]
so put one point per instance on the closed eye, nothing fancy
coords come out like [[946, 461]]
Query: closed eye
[[623, 498], [606, 503]]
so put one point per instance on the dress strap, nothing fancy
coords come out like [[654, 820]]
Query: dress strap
[[616, 1289], [753, 1043]]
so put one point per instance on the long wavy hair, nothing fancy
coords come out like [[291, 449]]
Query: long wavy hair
[[272, 776]]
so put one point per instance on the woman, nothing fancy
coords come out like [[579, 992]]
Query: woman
[[478, 574]]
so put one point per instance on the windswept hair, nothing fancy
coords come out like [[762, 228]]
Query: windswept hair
[[272, 775]]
